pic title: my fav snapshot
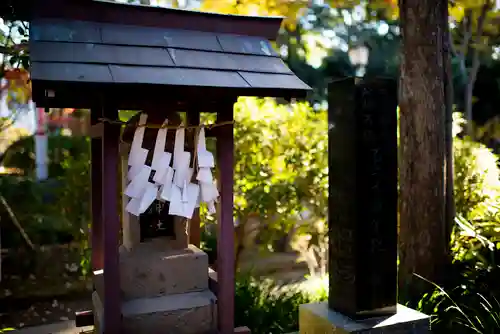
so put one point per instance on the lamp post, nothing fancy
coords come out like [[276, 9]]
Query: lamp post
[[358, 55]]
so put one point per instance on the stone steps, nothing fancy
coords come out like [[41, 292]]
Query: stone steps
[[163, 291], [184, 313]]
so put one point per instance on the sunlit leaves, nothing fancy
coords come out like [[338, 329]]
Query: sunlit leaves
[[291, 10], [281, 160], [13, 66], [18, 86]]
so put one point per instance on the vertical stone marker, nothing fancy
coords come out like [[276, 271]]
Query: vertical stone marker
[[363, 213], [363, 197]]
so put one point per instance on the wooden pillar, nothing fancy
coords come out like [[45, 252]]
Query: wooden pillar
[[111, 226], [225, 231], [131, 233], [193, 118], [96, 197]]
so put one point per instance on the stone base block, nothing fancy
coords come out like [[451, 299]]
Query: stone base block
[[187, 313], [317, 318], [153, 269]]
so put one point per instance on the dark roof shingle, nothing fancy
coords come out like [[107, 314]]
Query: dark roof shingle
[[102, 53]]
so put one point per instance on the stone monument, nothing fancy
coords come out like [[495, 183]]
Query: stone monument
[[362, 216]]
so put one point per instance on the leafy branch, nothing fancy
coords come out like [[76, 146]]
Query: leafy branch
[[472, 38]]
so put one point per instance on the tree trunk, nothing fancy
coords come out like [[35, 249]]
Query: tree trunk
[[448, 132], [423, 239]]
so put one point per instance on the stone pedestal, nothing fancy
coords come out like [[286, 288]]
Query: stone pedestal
[[164, 290], [317, 318]]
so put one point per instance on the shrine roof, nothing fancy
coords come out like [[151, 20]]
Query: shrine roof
[[95, 51]]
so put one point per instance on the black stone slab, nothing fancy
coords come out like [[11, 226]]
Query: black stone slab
[[363, 197]]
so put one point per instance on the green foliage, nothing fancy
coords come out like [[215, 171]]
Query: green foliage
[[30, 202], [59, 208], [281, 162], [74, 201], [477, 197], [477, 178], [268, 308], [468, 304], [21, 154]]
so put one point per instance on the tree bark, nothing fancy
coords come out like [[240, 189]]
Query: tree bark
[[448, 132], [424, 242]]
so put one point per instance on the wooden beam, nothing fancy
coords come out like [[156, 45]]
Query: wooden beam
[[225, 231], [212, 133], [131, 234], [111, 226], [96, 130], [213, 285], [96, 195]]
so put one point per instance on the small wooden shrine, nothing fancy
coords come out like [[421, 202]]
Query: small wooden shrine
[[106, 57]]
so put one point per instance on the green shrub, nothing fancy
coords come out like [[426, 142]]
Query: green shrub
[[21, 154], [31, 203], [469, 304], [56, 210], [268, 308], [476, 233], [477, 179]]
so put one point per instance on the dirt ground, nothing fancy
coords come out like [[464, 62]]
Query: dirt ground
[[41, 313]]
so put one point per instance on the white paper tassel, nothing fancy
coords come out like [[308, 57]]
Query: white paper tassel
[[159, 150], [185, 192], [166, 190], [136, 161], [206, 159], [193, 191], [184, 209], [204, 175], [211, 207], [175, 208], [163, 166], [178, 147], [148, 198], [133, 206], [136, 188], [202, 142], [182, 171], [198, 200], [137, 141], [209, 192]]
